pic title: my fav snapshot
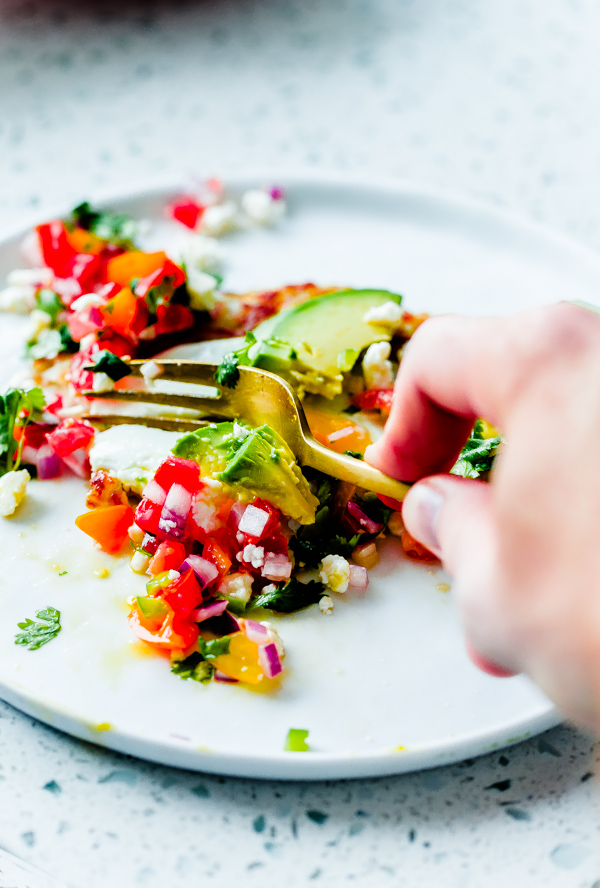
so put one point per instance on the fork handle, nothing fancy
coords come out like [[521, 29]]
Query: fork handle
[[347, 468]]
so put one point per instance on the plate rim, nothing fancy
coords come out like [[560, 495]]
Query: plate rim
[[316, 765]]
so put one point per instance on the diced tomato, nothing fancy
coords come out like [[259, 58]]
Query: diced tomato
[[375, 399], [169, 633], [183, 595], [169, 270], [135, 264], [179, 471], [34, 435], [150, 543], [53, 404], [147, 516], [70, 434], [108, 526], [172, 319], [118, 345], [218, 555], [107, 291], [168, 556], [55, 247], [187, 211], [86, 269]]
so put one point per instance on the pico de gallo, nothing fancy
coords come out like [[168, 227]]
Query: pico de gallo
[[224, 526]]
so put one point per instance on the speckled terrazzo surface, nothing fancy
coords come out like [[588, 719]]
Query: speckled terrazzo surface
[[494, 99]]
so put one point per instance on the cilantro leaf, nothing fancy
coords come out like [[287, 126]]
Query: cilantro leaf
[[35, 634], [160, 294], [291, 597], [478, 454], [50, 302], [227, 372], [215, 647], [194, 667], [311, 551], [355, 453], [118, 228], [17, 409], [107, 362]]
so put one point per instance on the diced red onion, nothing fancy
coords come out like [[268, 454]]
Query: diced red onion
[[226, 679], [211, 609], [235, 516], [78, 461], [47, 462], [204, 570], [277, 193], [29, 454], [276, 567], [339, 434], [359, 578], [255, 631], [175, 511], [253, 521], [155, 493], [269, 659], [363, 519]]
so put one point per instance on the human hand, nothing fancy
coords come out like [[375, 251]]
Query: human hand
[[524, 550]]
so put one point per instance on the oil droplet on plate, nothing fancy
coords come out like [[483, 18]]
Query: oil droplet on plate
[[443, 587]]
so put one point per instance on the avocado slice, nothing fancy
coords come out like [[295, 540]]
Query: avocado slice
[[327, 330], [257, 460]]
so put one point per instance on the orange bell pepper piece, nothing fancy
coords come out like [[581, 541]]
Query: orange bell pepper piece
[[108, 526], [337, 432], [84, 241], [135, 264], [125, 313]]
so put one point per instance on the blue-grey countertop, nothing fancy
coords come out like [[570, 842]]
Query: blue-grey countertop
[[496, 99]]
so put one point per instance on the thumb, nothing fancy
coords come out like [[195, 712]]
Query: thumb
[[452, 517]]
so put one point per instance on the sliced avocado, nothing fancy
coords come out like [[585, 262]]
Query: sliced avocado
[[257, 460], [324, 328]]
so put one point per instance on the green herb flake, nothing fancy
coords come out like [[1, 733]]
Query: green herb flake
[[291, 597], [63, 573], [106, 362], [194, 667], [50, 302], [17, 409], [296, 740], [214, 648], [35, 634], [477, 456], [118, 228], [227, 372], [355, 453]]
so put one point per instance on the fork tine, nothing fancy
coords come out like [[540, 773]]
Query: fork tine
[[170, 423], [192, 371], [206, 406]]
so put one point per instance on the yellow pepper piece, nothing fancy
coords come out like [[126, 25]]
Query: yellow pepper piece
[[242, 660]]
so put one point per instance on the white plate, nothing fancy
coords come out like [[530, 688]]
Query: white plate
[[384, 684]]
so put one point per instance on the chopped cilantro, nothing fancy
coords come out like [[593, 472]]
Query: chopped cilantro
[[35, 634], [478, 454], [296, 740], [227, 372], [118, 228], [107, 362], [50, 343], [160, 294], [355, 453], [312, 550], [17, 409], [215, 647], [291, 597], [50, 302], [62, 573], [194, 667]]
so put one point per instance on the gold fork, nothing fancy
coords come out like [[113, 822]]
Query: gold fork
[[258, 397]]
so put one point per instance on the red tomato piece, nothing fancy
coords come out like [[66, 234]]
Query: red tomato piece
[[168, 270], [34, 435], [86, 269], [375, 399], [219, 555], [168, 556], [183, 595], [187, 211], [70, 434], [147, 516], [172, 319], [179, 471], [56, 249], [170, 633]]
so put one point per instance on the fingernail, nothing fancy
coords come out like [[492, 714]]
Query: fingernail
[[421, 511]]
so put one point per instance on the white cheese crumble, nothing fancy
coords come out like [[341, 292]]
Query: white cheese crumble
[[326, 605], [335, 573], [150, 370], [388, 315], [238, 586], [273, 636], [254, 555], [102, 383], [173, 575], [202, 253], [30, 277], [201, 287], [260, 207], [219, 219], [139, 562], [13, 487], [131, 453], [377, 370], [87, 301]]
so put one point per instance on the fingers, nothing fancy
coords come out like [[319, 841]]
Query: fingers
[[458, 369], [453, 518]]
